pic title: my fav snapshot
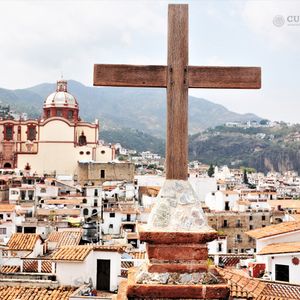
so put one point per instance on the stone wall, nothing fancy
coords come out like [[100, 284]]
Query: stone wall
[[97, 173], [237, 224]]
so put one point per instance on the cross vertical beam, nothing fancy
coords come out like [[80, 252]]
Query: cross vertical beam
[[177, 93]]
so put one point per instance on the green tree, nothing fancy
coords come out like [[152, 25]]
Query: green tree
[[211, 170], [246, 181]]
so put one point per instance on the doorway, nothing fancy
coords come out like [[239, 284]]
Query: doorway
[[282, 273], [103, 274]]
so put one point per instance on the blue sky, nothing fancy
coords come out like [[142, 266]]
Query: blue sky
[[42, 39]]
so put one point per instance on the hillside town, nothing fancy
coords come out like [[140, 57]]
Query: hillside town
[[71, 225]]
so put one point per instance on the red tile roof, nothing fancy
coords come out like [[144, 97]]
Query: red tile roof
[[66, 237], [7, 207], [25, 293], [279, 248], [252, 288], [72, 253], [23, 241], [272, 230]]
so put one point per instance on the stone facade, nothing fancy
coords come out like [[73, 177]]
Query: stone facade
[[235, 224], [97, 173]]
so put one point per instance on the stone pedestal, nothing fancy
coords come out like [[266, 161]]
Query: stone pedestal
[[176, 236]]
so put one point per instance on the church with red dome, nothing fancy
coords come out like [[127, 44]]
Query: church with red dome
[[55, 143]]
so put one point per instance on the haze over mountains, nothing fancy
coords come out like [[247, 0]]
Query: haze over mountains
[[116, 108]]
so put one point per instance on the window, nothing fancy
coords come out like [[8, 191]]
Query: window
[[94, 212], [82, 139], [102, 174], [96, 193], [102, 152], [8, 132], [226, 205], [251, 227], [88, 153], [81, 152], [250, 218], [70, 114], [111, 215], [225, 223], [30, 195], [1, 216], [43, 190], [23, 195], [84, 201], [219, 247], [58, 113], [263, 218], [85, 212], [95, 202], [238, 238], [282, 273], [31, 133], [2, 230], [111, 226], [238, 223]]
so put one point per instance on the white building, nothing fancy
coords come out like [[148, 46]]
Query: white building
[[76, 265], [7, 221], [278, 247]]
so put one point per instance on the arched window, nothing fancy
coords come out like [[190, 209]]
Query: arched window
[[8, 132], [7, 165], [85, 211], [82, 139], [31, 132], [70, 114], [58, 113]]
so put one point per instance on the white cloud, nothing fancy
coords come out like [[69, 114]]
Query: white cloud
[[259, 16], [41, 38]]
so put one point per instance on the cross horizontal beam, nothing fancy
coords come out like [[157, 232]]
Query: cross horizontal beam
[[130, 75], [156, 76]]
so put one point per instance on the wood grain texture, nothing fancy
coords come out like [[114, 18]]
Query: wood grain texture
[[225, 77], [177, 93], [130, 75]]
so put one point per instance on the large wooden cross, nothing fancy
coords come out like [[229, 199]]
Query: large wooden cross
[[177, 77]]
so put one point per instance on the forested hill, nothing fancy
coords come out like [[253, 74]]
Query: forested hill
[[265, 149]]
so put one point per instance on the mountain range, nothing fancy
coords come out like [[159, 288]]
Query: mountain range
[[136, 117], [143, 109]]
